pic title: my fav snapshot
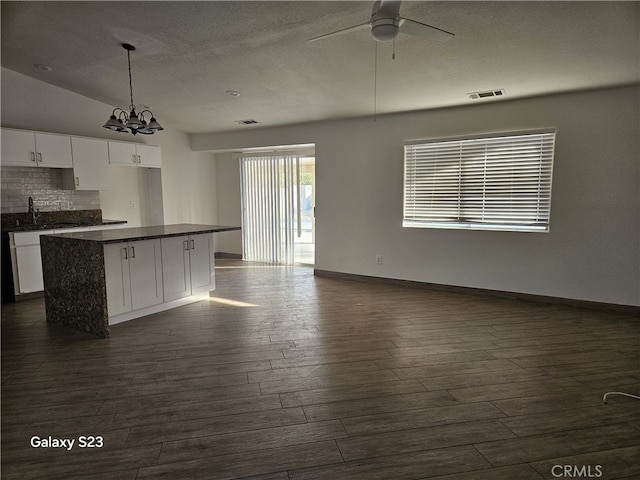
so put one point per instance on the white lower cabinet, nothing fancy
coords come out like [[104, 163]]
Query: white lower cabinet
[[27, 266], [117, 277], [202, 258], [29, 269], [26, 257], [133, 274], [187, 265]]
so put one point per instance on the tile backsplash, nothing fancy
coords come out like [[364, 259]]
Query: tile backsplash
[[45, 186]]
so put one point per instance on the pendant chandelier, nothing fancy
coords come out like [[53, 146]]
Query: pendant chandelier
[[121, 121]]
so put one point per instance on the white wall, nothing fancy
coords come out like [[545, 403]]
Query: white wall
[[188, 178], [127, 187], [229, 209], [591, 253]]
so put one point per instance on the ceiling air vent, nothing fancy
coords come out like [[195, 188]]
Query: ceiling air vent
[[488, 93], [247, 122]]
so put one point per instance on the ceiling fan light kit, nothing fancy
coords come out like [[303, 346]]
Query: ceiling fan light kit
[[384, 29], [132, 121]]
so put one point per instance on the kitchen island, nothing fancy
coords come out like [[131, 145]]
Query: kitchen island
[[99, 278]]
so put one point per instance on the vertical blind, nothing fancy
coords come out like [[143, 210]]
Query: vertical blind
[[493, 183], [269, 207]]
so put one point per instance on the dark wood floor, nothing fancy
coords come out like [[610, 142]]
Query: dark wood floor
[[289, 376]]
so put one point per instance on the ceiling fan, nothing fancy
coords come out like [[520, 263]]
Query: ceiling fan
[[386, 23]]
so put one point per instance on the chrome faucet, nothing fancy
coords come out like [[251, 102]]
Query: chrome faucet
[[34, 213]]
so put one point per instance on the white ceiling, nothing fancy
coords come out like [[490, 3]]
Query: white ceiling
[[189, 53]]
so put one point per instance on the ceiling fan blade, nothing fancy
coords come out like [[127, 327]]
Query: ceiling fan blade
[[341, 32], [411, 27]]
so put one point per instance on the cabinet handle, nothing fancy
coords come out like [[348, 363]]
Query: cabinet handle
[[134, 158], [40, 157], [33, 156], [139, 159], [193, 245], [186, 244], [77, 181], [126, 256], [133, 252]]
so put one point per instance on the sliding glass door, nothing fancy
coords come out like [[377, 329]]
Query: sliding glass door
[[276, 206]]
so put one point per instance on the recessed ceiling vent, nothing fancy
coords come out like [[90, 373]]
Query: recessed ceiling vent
[[487, 94], [247, 122]]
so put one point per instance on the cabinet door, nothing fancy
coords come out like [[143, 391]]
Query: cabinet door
[[53, 150], [149, 155], [122, 153], [145, 267], [28, 261], [90, 164], [18, 148], [29, 266], [176, 272], [202, 263], [116, 268]]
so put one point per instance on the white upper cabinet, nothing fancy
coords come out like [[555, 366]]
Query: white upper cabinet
[[54, 150], [122, 153], [149, 155], [134, 154], [90, 165], [25, 148], [18, 148]]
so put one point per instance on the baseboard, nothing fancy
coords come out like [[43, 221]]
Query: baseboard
[[161, 307], [600, 306], [28, 296], [236, 256]]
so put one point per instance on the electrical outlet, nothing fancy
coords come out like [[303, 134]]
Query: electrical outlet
[[378, 259], [132, 204]]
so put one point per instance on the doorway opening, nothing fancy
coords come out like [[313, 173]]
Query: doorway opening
[[305, 235]]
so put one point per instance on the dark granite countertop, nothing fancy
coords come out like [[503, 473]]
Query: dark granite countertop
[[54, 225], [145, 233], [52, 219]]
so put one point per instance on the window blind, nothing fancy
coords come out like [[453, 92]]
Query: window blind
[[268, 207], [493, 183]]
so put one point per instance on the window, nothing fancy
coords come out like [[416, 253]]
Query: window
[[481, 183]]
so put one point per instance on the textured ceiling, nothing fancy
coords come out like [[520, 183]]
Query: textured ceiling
[[189, 53]]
